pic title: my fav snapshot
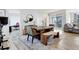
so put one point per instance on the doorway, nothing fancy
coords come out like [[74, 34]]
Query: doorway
[[57, 21]]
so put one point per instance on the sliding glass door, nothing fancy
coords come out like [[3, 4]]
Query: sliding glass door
[[76, 19], [57, 21]]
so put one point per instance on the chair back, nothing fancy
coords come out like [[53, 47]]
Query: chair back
[[33, 31], [29, 30]]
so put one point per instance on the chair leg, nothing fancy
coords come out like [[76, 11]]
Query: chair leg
[[56, 36], [27, 37], [32, 39]]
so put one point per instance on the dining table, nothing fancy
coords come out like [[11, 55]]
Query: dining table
[[43, 29]]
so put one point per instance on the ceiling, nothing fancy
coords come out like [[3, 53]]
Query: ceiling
[[41, 10], [32, 10]]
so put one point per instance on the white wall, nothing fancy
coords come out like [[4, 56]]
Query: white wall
[[70, 14], [58, 13], [18, 15], [13, 17], [38, 16]]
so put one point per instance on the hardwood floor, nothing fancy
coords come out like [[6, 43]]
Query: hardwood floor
[[67, 41]]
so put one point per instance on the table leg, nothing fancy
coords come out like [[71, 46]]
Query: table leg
[[44, 40]]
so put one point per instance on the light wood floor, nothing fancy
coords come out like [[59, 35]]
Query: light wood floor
[[67, 41]]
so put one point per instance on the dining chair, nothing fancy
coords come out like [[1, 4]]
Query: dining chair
[[32, 32], [35, 34]]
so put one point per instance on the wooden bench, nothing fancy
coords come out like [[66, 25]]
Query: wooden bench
[[45, 36]]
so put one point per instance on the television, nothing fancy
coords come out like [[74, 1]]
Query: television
[[4, 20]]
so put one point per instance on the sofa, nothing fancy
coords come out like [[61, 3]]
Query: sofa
[[71, 28]]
